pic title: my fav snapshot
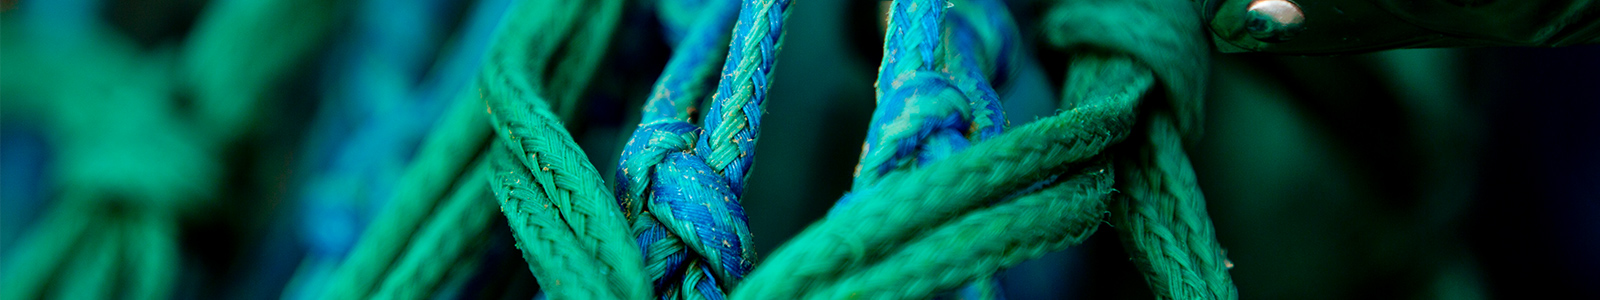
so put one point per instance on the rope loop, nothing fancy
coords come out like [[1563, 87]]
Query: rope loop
[[679, 183], [677, 202], [921, 119]]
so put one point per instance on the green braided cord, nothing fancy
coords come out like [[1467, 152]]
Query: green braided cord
[[551, 48], [982, 242], [1162, 219], [1165, 35], [565, 222], [579, 251], [907, 204], [441, 160], [457, 229]]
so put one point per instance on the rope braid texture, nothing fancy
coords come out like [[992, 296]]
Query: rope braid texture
[[684, 211], [134, 165], [568, 226], [932, 91], [1162, 213]]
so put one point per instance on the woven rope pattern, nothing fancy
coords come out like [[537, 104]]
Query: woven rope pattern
[[685, 209], [566, 223]]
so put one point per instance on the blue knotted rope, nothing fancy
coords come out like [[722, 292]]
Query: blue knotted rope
[[934, 97], [934, 92], [679, 184]]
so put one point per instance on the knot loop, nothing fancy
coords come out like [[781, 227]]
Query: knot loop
[[920, 118], [680, 205]]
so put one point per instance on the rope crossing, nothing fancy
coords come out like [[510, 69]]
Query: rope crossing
[[678, 184], [933, 92]]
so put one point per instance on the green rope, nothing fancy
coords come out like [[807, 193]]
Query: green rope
[[1161, 217], [905, 205], [975, 245], [567, 224]]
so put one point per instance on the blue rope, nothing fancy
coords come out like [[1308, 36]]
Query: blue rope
[[680, 184], [933, 101], [934, 95]]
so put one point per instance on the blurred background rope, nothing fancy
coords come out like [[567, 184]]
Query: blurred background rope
[[374, 120], [142, 138]]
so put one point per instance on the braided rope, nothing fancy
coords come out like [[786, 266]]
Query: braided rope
[[685, 210], [904, 205], [1161, 217], [1024, 228], [564, 220], [932, 90], [731, 132]]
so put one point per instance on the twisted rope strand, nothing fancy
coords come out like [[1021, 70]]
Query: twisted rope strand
[[729, 143], [947, 257], [683, 205], [564, 266], [558, 190], [1162, 218], [906, 203], [568, 226]]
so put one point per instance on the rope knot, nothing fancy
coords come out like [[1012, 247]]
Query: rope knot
[[681, 206], [922, 115]]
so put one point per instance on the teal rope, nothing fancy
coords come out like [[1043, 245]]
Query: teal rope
[[564, 220], [904, 205], [982, 242], [1161, 217]]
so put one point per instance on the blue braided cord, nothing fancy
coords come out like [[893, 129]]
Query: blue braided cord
[[734, 119], [989, 118], [679, 185], [911, 91]]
